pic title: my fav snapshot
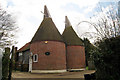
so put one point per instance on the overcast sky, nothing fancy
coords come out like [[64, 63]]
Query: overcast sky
[[28, 14]]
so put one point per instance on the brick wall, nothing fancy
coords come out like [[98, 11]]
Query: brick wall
[[75, 57], [55, 61]]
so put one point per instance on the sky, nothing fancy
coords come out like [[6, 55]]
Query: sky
[[28, 15]]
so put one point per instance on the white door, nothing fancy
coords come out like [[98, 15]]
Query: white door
[[30, 62]]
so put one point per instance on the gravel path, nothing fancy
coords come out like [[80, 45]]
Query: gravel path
[[18, 75]]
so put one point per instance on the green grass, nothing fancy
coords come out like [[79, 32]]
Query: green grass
[[86, 67]]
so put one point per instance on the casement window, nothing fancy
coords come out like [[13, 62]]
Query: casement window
[[35, 58]]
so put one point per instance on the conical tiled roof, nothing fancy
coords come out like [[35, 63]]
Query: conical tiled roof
[[70, 37], [47, 30]]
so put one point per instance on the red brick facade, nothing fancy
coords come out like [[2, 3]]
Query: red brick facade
[[75, 57], [55, 61], [54, 54]]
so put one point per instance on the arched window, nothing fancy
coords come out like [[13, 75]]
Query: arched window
[[35, 58]]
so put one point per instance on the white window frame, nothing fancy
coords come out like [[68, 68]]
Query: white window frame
[[36, 58], [20, 54]]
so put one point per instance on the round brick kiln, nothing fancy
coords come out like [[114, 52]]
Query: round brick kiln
[[51, 56], [75, 49], [75, 57], [48, 48]]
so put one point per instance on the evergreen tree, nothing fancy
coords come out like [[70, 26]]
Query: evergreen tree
[[106, 59], [88, 48], [5, 64]]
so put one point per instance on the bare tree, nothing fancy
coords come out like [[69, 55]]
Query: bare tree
[[106, 23], [7, 27]]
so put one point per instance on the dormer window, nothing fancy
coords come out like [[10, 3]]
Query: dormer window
[[35, 58]]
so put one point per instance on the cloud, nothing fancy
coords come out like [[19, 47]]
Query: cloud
[[109, 0], [29, 16]]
